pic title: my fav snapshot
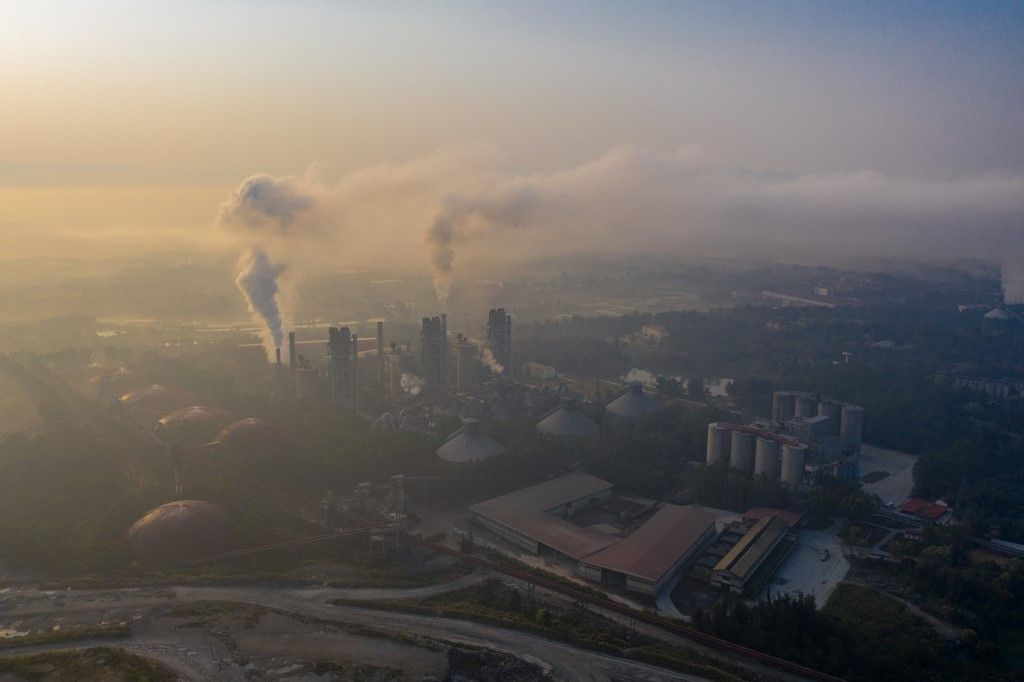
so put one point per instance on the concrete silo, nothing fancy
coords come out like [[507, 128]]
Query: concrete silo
[[782, 406], [851, 428], [832, 410], [742, 451], [718, 444], [766, 458], [793, 466], [804, 406]]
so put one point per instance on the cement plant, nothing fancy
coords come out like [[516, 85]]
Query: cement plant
[[451, 342]]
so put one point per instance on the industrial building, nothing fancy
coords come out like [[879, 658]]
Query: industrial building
[[180, 530], [808, 438], [499, 335], [566, 421], [342, 364], [467, 358], [539, 519], [648, 558], [738, 571], [469, 444], [532, 518], [631, 404], [434, 352], [158, 399]]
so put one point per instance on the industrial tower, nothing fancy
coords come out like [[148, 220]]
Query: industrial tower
[[499, 335], [341, 367], [434, 352]]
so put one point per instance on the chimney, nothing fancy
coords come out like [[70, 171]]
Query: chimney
[[380, 353], [292, 364], [277, 364]]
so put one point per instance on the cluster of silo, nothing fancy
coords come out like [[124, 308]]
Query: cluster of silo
[[845, 420], [758, 452]]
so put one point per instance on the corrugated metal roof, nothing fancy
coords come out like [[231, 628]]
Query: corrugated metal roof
[[748, 552], [656, 546], [526, 511], [567, 421], [632, 404]]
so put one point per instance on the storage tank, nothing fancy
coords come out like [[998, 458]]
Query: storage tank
[[851, 427], [718, 444], [793, 466], [803, 406], [742, 451], [782, 406], [832, 410], [766, 458]]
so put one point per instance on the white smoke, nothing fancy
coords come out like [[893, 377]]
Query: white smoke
[[487, 357], [257, 280], [411, 384], [469, 212]]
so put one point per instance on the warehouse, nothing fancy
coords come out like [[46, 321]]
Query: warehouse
[[532, 517], [738, 567], [654, 552]]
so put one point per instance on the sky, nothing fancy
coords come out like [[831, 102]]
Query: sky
[[126, 125]]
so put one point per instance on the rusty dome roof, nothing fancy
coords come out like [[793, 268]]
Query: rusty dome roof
[[251, 435], [197, 414], [180, 530], [114, 382], [158, 398]]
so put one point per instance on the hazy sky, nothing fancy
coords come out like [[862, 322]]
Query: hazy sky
[[168, 105]]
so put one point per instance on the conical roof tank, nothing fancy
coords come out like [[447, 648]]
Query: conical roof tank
[[633, 404], [566, 421], [469, 444]]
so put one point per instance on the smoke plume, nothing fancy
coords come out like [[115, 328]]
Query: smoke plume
[[411, 384], [487, 357], [257, 280], [471, 213]]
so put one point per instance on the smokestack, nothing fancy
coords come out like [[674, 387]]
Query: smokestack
[[292, 364], [380, 353], [277, 363]]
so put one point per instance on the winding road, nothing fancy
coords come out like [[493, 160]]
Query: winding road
[[195, 659]]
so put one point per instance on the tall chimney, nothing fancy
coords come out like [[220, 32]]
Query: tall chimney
[[277, 364], [380, 353], [292, 358]]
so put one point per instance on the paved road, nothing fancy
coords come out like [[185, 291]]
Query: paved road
[[202, 661]]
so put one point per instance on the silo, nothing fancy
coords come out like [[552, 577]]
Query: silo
[[718, 444], [782, 406], [804, 406], [793, 466], [851, 427], [766, 458], [832, 410], [742, 451]]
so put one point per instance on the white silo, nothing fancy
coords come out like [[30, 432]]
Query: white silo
[[832, 410], [793, 465], [804, 406], [718, 444], [766, 458], [851, 427], [742, 451]]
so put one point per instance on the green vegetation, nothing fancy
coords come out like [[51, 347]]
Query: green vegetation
[[94, 664], [861, 634], [494, 603]]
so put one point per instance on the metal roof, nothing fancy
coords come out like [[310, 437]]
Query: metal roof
[[180, 530], [633, 403], [196, 414], [748, 552], [469, 445], [655, 547], [527, 512], [567, 421], [251, 435], [158, 398]]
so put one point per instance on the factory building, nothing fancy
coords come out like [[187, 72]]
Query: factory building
[[832, 430], [539, 519], [469, 444], [737, 571], [434, 352], [466, 361], [180, 530], [499, 335], [648, 558], [342, 379], [631, 405], [566, 421], [400, 363]]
